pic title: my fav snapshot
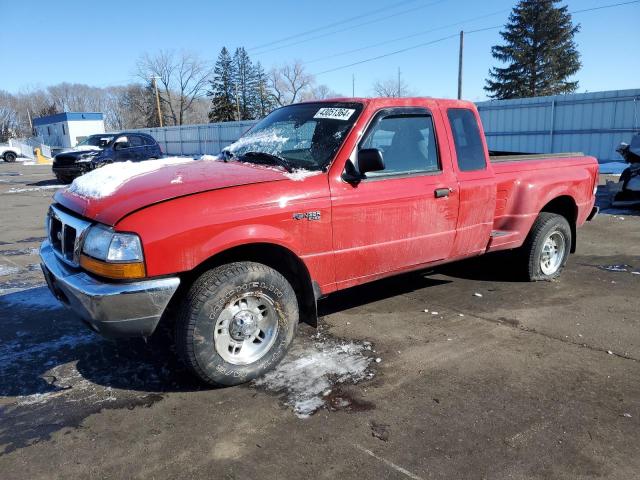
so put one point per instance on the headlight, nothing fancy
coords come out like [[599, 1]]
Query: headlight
[[87, 157], [111, 254]]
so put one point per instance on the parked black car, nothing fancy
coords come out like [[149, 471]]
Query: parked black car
[[98, 150]]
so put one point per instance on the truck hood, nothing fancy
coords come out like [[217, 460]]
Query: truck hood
[[109, 193]]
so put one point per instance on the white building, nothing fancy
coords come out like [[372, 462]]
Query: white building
[[69, 128]]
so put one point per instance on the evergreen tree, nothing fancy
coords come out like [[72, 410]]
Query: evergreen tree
[[245, 83], [539, 51], [222, 90], [262, 103]]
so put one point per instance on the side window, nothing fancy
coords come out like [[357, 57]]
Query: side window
[[407, 142], [466, 137], [149, 141], [135, 141]]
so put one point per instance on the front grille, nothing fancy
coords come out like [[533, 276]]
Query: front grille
[[62, 160], [66, 234]]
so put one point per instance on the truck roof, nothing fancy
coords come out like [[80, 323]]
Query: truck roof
[[395, 101]]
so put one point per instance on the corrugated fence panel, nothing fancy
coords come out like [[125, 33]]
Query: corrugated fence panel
[[196, 140], [594, 123]]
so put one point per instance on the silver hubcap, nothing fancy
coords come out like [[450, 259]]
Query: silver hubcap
[[246, 329], [552, 253]]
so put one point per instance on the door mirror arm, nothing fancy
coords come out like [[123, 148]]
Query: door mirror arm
[[351, 175]]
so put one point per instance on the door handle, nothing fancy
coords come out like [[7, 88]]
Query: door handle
[[442, 192]]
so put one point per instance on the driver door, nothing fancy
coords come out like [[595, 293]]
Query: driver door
[[403, 216]]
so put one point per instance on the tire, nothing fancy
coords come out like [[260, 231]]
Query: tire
[[217, 334], [547, 247], [10, 157], [64, 178]]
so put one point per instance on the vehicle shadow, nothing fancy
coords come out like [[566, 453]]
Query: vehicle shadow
[[492, 267], [45, 349], [376, 291], [44, 183]]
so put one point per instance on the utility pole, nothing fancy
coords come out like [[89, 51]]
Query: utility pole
[[460, 56], [237, 103], [353, 85], [155, 87], [398, 82]]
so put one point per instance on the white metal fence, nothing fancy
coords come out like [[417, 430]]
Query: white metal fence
[[207, 138], [594, 123]]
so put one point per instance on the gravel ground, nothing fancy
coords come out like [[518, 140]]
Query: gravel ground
[[525, 381]]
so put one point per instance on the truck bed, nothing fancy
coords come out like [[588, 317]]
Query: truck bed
[[496, 156]]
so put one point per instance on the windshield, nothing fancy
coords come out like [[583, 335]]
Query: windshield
[[96, 141], [304, 136]]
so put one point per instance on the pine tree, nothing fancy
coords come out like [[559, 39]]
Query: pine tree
[[539, 51], [262, 103], [245, 83], [222, 91]]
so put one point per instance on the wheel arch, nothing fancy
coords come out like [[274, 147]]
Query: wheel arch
[[565, 206], [275, 256]]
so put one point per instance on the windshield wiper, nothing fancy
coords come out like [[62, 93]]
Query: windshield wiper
[[227, 155], [283, 162]]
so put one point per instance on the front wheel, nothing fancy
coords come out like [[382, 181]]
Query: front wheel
[[10, 157], [236, 323], [547, 247]]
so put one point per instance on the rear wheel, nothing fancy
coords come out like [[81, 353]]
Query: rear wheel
[[547, 247], [236, 322], [10, 157]]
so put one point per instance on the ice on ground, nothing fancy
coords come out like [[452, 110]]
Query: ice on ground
[[14, 351], [38, 297], [104, 181], [308, 371], [8, 270], [300, 174], [616, 268], [35, 189]]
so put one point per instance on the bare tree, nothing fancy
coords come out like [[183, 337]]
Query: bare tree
[[289, 83], [320, 92], [392, 87], [182, 78]]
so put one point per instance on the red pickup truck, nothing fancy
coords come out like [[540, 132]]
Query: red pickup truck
[[317, 197]]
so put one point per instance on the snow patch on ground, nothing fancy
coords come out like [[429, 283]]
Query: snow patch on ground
[[307, 373], [35, 189], [15, 350], [106, 180], [39, 297], [209, 157], [300, 174], [8, 270]]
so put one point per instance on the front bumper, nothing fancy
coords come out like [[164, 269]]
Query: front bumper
[[112, 309]]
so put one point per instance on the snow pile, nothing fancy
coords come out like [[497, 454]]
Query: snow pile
[[307, 374], [104, 181], [35, 189], [300, 174], [8, 270], [209, 157]]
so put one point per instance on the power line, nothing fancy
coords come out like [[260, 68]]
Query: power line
[[333, 32], [424, 44], [341, 22], [397, 39]]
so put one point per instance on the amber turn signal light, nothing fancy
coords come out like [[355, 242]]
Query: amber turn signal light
[[118, 271]]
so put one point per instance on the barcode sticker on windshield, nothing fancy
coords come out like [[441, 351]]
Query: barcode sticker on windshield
[[335, 113]]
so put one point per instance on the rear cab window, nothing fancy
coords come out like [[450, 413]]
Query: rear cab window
[[466, 137]]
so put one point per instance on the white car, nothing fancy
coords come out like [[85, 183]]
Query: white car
[[9, 153]]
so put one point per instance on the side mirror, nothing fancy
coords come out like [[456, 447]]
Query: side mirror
[[370, 160]]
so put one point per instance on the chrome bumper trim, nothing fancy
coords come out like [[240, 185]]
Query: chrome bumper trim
[[112, 309]]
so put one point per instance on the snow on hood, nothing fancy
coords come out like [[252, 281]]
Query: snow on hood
[[104, 181], [83, 148]]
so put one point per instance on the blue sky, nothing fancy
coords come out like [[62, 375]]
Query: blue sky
[[98, 44]]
